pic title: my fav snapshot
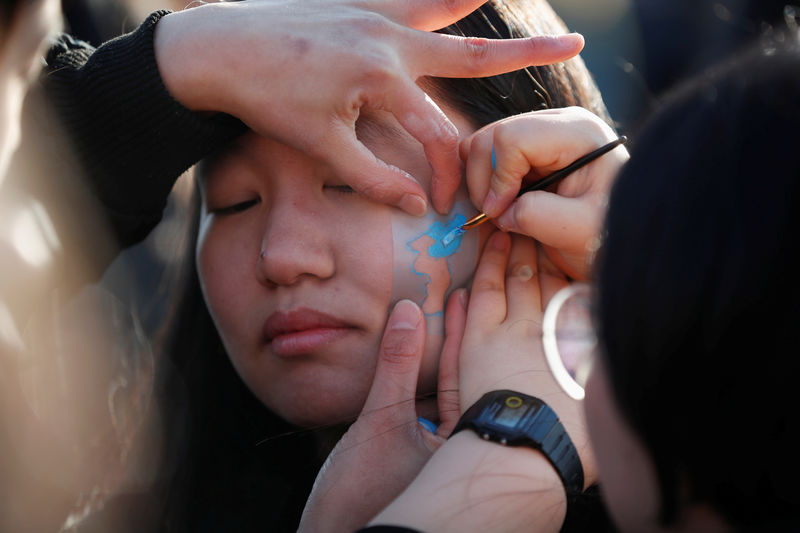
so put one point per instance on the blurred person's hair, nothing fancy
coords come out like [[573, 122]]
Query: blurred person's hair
[[698, 298]]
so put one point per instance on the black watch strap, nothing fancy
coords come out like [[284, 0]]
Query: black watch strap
[[516, 419]]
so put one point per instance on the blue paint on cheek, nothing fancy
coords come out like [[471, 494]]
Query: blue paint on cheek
[[439, 231]]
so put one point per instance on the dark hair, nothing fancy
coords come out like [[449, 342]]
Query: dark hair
[[698, 300], [215, 424], [487, 100]]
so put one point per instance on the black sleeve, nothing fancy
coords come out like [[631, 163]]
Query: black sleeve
[[132, 138]]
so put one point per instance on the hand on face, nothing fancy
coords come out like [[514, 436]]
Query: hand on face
[[566, 221], [502, 344], [386, 446], [301, 73]]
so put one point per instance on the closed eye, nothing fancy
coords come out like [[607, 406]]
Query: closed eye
[[341, 189], [236, 208]]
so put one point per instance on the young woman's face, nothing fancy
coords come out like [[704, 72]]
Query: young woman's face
[[300, 272]]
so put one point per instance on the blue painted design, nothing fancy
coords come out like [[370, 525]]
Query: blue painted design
[[439, 231], [427, 424]]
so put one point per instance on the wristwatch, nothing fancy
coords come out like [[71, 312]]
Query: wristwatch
[[516, 419]]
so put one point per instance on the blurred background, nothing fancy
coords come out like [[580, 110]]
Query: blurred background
[[636, 49]]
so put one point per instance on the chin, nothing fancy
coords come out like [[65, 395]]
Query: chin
[[318, 414], [313, 403]]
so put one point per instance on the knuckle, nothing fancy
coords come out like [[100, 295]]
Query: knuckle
[[447, 133], [377, 189], [525, 328], [373, 24], [507, 135], [502, 179], [592, 124], [487, 285], [477, 51], [399, 349], [378, 69]]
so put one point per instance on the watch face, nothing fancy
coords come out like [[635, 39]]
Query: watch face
[[511, 412]]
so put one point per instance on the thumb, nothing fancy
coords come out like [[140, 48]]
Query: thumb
[[394, 386], [454, 327]]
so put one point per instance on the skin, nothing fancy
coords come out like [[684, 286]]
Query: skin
[[351, 57], [488, 487], [512, 284], [565, 220], [468, 476], [299, 238]]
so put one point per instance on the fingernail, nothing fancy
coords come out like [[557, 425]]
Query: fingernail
[[413, 205], [446, 207], [405, 316], [427, 424], [463, 298], [490, 203], [568, 40], [524, 272], [508, 220]]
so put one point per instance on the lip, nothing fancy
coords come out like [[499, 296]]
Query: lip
[[303, 330]]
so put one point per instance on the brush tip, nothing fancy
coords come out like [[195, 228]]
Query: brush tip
[[451, 236]]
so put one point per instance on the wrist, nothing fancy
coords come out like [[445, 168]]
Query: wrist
[[186, 50], [169, 41], [511, 418], [461, 485]]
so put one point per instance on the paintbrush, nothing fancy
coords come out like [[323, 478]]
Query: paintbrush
[[555, 177]]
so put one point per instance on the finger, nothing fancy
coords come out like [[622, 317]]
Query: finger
[[555, 220], [477, 151], [423, 120], [522, 284], [450, 56], [545, 142], [428, 15], [551, 278], [454, 326], [509, 166], [394, 386], [369, 175], [549, 285], [488, 296]]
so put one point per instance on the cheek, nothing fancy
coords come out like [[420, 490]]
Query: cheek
[[426, 271], [363, 250], [223, 271]]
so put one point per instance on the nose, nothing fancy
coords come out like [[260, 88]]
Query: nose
[[295, 245]]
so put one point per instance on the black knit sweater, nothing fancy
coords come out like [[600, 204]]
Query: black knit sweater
[[132, 137]]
